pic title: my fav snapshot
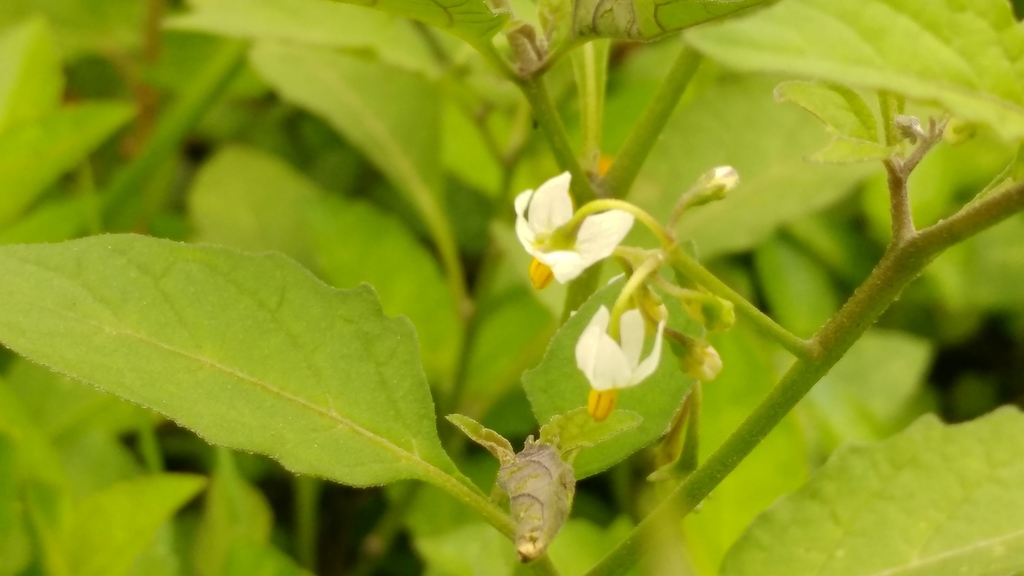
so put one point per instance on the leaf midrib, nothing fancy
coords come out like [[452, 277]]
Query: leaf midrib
[[412, 458]]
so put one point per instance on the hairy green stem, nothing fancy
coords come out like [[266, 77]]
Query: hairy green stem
[[640, 214], [903, 262], [690, 457], [635, 281], [590, 65], [122, 201], [692, 269], [550, 123], [630, 158]]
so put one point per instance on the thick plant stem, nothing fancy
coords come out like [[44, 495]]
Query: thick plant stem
[[899, 203], [624, 169], [590, 65], [901, 264], [550, 123]]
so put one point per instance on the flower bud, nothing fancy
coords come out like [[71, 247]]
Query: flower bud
[[714, 313], [714, 185], [719, 314], [702, 362], [909, 128], [528, 48]]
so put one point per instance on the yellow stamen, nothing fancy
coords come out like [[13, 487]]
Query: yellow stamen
[[600, 404], [540, 274]]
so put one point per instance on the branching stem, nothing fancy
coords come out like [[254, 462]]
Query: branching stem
[[547, 117], [687, 266], [898, 267]]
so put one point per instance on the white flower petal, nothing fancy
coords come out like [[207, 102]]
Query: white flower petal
[[600, 234], [611, 369], [631, 336], [551, 205], [589, 342], [566, 265], [586, 349], [650, 364], [522, 201], [526, 236]]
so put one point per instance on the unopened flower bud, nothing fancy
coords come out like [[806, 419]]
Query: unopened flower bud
[[701, 362], [713, 185], [714, 313], [909, 128], [528, 48], [719, 314]]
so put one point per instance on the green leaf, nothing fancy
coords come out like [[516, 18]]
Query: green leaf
[[53, 220], [15, 546], [62, 408], [735, 121], [936, 500], [328, 24], [109, 530], [354, 242], [33, 156], [557, 386], [369, 104], [100, 26], [31, 79], [777, 466], [509, 335], [581, 544], [235, 514], [846, 151], [37, 460], [250, 351], [846, 116], [577, 429], [875, 390], [495, 443], [448, 537], [964, 55], [644, 19], [471, 20], [256, 560], [475, 549], [95, 460], [842, 110], [247, 199], [799, 291]]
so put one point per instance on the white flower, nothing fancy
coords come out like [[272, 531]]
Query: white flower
[[724, 177], [611, 365], [540, 213]]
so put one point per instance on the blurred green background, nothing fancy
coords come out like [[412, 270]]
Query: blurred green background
[[310, 128]]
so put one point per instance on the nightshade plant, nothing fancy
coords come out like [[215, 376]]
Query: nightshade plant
[[354, 214]]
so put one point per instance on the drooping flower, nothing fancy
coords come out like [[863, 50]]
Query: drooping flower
[[560, 253], [611, 364]]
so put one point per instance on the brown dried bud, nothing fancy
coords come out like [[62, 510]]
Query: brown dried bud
[[540, 488]]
